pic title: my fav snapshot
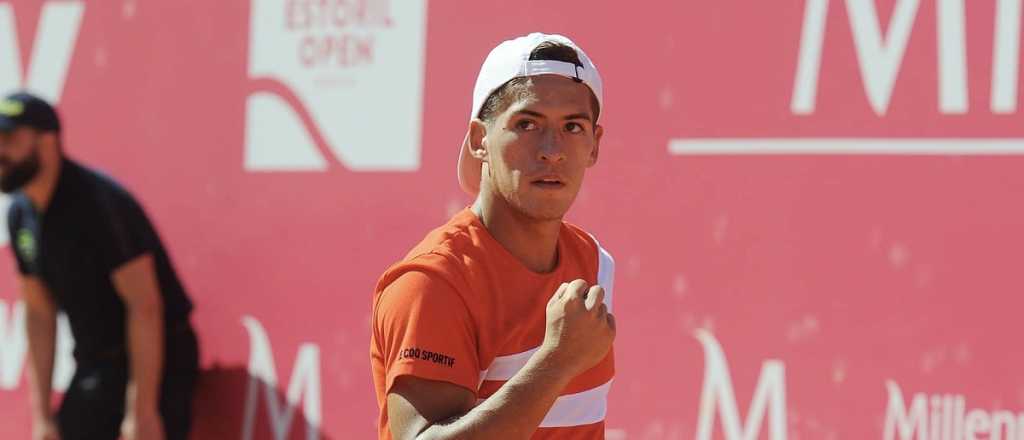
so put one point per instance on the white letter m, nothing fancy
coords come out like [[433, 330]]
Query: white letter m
[[717, 394], [305, 382]]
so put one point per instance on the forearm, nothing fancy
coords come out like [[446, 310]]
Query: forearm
[[41, 329], [145, 349], [514, 411]]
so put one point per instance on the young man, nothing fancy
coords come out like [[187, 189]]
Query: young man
[[498, 325], [85, 247]]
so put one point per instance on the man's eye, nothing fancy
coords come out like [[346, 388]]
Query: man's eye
[[526, 124], [574, 127]]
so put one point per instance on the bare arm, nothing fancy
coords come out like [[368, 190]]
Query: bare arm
[[424, 409], [136, 283], [578, 335], [41, 326]]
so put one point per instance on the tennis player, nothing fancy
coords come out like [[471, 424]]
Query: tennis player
[[498, 324]]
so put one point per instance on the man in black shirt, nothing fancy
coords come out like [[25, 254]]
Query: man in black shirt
[[84, 246]]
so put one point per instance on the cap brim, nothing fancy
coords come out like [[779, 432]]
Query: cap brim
[[469, 169]]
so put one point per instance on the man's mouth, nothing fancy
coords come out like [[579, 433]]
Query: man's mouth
[[548, 182]]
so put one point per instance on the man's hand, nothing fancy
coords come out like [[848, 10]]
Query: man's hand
[[45, 428], [142, 425], [579, 328]]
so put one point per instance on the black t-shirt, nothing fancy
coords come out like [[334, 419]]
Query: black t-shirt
[[91, 227]]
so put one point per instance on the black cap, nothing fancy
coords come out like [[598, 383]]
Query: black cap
[[25, 110]]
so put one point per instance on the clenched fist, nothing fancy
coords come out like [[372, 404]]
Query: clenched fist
[[579, 329]]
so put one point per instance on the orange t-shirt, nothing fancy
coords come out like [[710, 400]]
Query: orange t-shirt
[[461, 309]]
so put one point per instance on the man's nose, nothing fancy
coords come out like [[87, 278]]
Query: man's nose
[[551, 147]]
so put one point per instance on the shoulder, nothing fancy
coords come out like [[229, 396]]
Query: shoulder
[[596, 258], [105, 187], [579, 237], [19, 207], [586, 243], [457, 236], [439, 269], [426, 286], [104, 196], [432, 274], [443, 253]]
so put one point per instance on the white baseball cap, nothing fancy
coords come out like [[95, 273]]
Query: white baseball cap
[[511, 59]]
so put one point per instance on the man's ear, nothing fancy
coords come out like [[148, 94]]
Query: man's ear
[[50, 141], [595, 152], [50, 138], [477, 139]]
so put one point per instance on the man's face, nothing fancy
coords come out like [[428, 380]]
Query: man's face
[[19, 158], [539, 148]]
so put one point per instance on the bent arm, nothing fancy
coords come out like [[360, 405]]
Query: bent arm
[[422, 409]]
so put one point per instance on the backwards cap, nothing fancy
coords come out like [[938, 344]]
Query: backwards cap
[[511, 59]]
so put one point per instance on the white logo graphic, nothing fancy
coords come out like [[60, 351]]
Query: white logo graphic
[[880, 54], [335, 81], [14, 348], [304, 384], [48, 67], [717, 396], [945, 416]]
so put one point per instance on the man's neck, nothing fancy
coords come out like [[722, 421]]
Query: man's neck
[[40, 190], [533, 242]]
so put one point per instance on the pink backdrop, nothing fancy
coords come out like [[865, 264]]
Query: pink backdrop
[[839, 289]]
